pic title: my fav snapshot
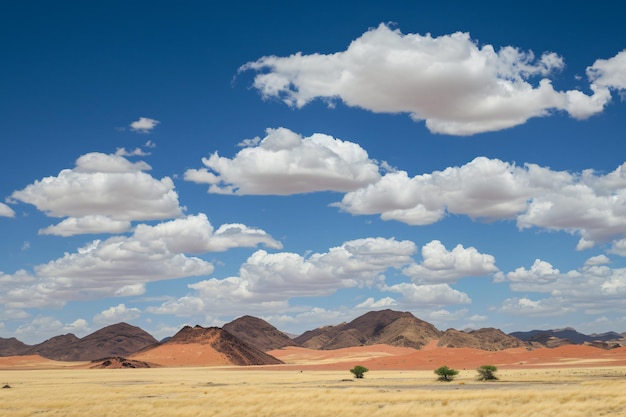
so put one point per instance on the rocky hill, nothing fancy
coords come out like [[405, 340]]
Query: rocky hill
[[548, 340], [485, 339], [54, 347], [120, 339], [205, 346], [12, 347], [389, 327], [559, 337], [258, 333]]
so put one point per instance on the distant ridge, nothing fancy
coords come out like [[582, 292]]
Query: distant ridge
[[245, 340], [568, 333], [258, 333], [485, 339]]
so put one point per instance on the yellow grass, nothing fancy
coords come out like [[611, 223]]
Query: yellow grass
[[285, 393]]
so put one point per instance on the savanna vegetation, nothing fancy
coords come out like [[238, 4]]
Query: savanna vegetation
[[359, 371], [253, 392], [487, 373], [446, 374]]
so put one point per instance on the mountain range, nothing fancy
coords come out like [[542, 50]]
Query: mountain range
[[245, 340]]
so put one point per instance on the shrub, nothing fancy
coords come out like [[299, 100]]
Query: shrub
[[486, 373], [446, 374], [358, 371]]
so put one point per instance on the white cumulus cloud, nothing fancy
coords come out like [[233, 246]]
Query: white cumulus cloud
[[284, 162], [121, 265], [442, 266], [456, 85], [266, 281], [101, 194], [144, 125], [589, 204], [433, 294], [116, 314], [6, 211], [593, 287]]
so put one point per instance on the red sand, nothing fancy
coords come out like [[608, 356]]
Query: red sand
[[387, 357], [34, 362], [379, 357], [188, 354]]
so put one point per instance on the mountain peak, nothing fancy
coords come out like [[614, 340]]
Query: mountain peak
[[259, 333]]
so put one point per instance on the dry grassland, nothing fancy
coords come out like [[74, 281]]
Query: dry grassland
[[267, 392]]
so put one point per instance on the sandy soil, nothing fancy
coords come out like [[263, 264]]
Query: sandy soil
[[379, 357]]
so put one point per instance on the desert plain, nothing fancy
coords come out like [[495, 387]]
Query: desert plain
[[569, 381]]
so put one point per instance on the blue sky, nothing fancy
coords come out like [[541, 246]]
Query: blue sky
[[188, 163]]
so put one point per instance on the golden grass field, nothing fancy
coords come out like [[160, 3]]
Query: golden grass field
[[271, 391]]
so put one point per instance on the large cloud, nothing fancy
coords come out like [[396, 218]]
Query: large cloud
[[102, 194], [593, 288], [122, 266], [450, 81], [589, 204], [286, 163], [483, 188], [267, 281], [195, 234]]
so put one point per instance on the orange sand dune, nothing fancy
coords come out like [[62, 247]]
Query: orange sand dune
[[387, 357], [381, 357], [34, 362], [188, 354]]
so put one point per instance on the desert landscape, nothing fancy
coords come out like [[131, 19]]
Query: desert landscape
[[213, 372]]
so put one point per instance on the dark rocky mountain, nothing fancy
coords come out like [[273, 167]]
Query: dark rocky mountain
[[120, 339], [485, 339], [258, 333], [235, 350], [548, 340], [53, 347], [605, 337], [388, 327], [569, 334], [12, 347]]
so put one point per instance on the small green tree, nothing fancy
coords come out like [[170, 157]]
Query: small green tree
[[446, 374], [358, 371], [486, 373]]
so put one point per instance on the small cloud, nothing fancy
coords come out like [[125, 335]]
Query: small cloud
[[26, 245], [249, 143], [383, 302], [116, 314], [6, 211], [597, 260], [135, 152], [143, 125]]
